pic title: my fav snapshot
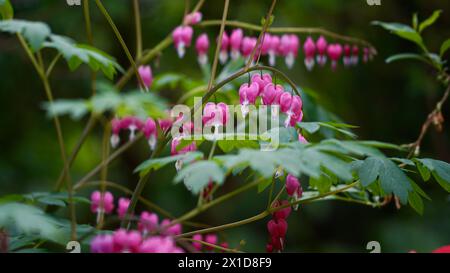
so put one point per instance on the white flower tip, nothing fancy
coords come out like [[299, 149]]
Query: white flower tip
[[115, 140], [223, 57]]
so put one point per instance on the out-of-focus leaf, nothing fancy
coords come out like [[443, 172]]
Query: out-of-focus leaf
[[25, 219], [197, 175], [430, 20], [439, 169], [444, 47], [391, 178], [416, 202], [34, 32], [6, 10], [403, 31], [76, 109], [157, 163], [406, 56], [77, 54]]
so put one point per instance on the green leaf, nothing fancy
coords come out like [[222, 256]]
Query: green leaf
[[6, 10], [75, 108], [313, 127], [439, 169], [390, 176], [406, 56], [34, 32], [134, 103], [430, 20], [24, 219], [157, 163], [416, 202], [78, 54], [197, 175], [415, 21], [167, 79], [322, 184], [444, 47], [403, 31]]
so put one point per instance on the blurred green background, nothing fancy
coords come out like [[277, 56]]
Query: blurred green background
[[388, 102]]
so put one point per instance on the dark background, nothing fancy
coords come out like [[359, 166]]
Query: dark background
[[388, 102]]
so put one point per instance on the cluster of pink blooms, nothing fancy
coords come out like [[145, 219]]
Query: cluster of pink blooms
[[210, 239], [134, 124], [182, 35], [271, 94], [103, 203], [278, 226], [236, 44], [151, 235]]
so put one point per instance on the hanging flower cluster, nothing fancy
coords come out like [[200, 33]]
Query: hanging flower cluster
[[287, 46], [151, 235], [277, 227], [271, 94]]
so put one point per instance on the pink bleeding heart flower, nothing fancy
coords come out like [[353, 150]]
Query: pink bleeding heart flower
[[145, 72], [133, 124], [215, 115], [321, 46], [302, 139], [285, 102], [223, 56], [198, 246], [309, 49], [165, 123], [116, 126], [262, 80], [159, 244], [148, 222], [335, 53], [102, 244], [272, 93], [235, 42], [150, 132], [282, 213], [211, 239], [102, 203], [442, 249], [248, 44], [277, 228], [126, 241], [273, 50], [182, 38], [294, 188], [170, 230], [189, 148], [266, 44], [289, 45], [202, 46], [122, 209], [193, 18], [294, 113], [347, 55], [247, 95], [355, 55]]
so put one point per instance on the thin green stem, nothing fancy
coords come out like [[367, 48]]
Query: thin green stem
[[120, 39], [137, 22], [40, 69], [191, 214], [261, 36], [216, 55], [52, 65], [263, 214], [89, 126], [224, 249], [90, 38], [111, 158]]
